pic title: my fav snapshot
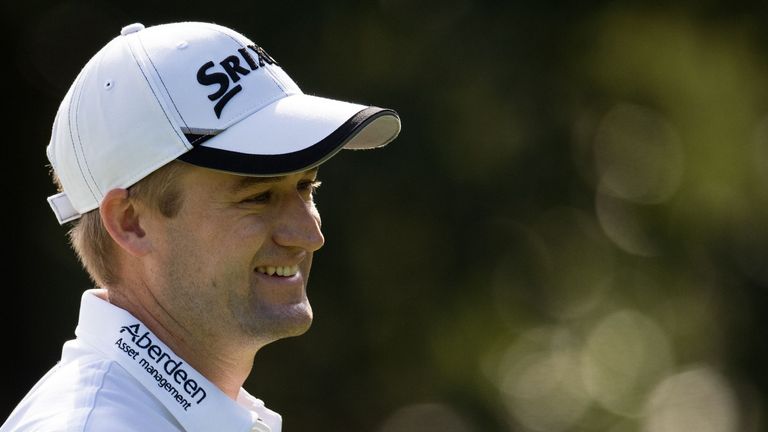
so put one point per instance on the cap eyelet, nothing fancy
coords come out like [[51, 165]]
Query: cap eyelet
[[182, 44], [109, 84]]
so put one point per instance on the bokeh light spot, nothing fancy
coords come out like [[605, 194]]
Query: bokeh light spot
[[426, 417], [539, 380], [638, 154], [625, 355], [695, 400]]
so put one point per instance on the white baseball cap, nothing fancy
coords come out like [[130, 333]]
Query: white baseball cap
[[200, 93]]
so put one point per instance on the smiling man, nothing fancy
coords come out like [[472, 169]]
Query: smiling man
[[186, 160]]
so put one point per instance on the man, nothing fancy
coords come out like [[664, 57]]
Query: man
[[186, 160]]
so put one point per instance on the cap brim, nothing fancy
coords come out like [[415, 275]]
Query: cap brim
[[293, 134]]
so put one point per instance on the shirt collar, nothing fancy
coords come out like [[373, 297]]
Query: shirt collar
[[192, 399]]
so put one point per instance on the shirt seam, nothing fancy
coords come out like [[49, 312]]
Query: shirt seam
[[96, 396]]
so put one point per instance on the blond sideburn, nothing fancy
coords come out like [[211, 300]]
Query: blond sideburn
[[94, 246]]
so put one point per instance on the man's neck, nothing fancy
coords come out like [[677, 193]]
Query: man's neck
[[227, 367]]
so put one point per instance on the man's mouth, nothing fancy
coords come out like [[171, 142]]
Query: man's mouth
[[284, 271]]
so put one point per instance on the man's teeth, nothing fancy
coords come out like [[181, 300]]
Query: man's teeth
[[280, 271]]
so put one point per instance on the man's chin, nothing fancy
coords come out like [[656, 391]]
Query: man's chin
[[301, 320], [288, 321]]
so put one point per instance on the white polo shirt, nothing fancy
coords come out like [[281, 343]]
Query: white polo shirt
[[118, 376]]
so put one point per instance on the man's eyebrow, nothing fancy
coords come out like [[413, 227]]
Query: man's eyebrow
[[247, 182]]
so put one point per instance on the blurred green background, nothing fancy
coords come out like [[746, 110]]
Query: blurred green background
[[569, 235]]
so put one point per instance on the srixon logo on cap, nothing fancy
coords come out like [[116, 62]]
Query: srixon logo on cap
[[234, 66]]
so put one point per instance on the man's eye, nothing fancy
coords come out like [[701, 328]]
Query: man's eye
[[261, 198], [309, 187]]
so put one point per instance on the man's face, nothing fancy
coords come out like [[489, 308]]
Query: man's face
[[235, 261]]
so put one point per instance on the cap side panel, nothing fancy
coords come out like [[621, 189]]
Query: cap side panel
[[130, 130], [77, 144], [225, 31], [159, 99], [162, 83], [277, 81], [285, 82]]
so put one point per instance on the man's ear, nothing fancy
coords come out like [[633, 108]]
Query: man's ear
[[121, 218]]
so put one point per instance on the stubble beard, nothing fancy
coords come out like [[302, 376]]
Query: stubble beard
[[241, 317], [268, 323]]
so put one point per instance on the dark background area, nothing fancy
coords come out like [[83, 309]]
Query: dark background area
[[569, 235]]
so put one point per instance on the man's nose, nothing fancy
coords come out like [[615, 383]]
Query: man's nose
[[298, 225]]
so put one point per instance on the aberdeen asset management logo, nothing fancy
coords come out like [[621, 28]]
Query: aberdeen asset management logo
[[244, 62], [162, 366]]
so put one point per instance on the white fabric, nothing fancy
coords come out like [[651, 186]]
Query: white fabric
[[63, 207], [118, 376], [285, 126], [172, 55], [129, 109]]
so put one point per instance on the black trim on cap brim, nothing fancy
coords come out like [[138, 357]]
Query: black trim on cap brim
[[281, 164]]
